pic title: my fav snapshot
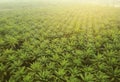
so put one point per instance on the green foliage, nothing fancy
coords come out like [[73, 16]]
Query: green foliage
[[60, 44]]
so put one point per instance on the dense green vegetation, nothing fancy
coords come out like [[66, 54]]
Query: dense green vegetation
[[52, 43]]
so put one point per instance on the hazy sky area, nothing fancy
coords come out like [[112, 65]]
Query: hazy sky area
[[90, 1], [102, 2]]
